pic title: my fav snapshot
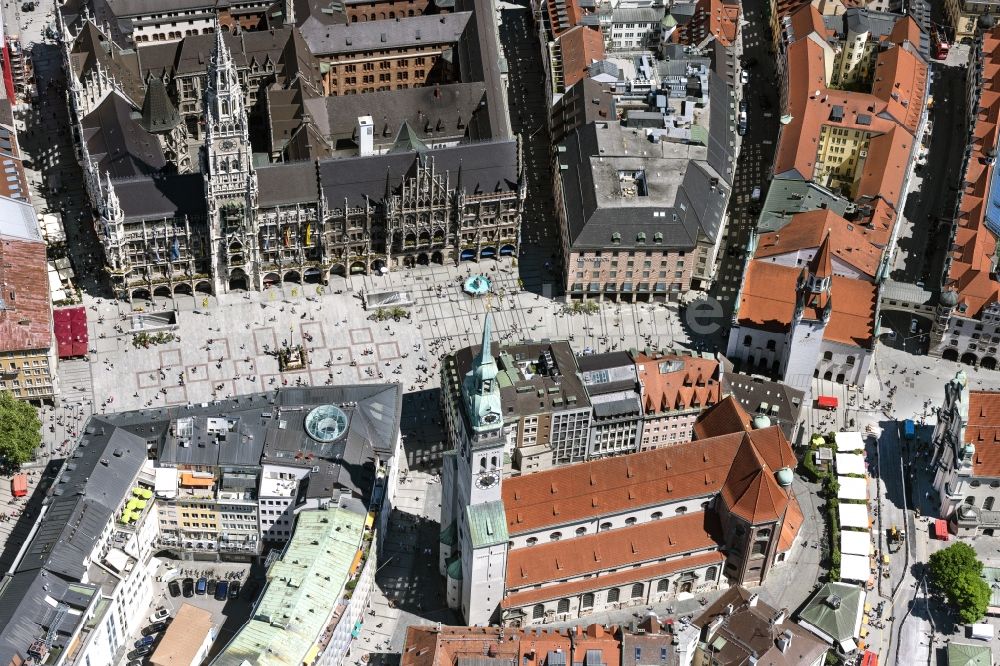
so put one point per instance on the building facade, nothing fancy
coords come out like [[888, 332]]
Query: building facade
[[966, 459]]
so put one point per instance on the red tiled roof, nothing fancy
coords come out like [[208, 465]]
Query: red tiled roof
[[26, 313], [626, 577], [694, 384], [791, 525], [896, 101], [905, 30], [983, 432], [851, 243], [444, 646], [751, 491], [611, 549], [580, 47], [767, 302], [726, 417], [573, 493], [974, 245]]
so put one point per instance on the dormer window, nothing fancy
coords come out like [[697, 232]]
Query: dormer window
[[616, 238], [640, 237]]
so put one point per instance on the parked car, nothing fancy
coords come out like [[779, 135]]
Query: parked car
[[144, 641], [222, 590], [160, 615], [141, 652], [188, 587], [212, 583], [234, 589], [175, 588], [201, 586], [155, 628]]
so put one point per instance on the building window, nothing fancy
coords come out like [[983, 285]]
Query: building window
[[988, 503], [656, 515], [563, 606], [637, 591], [747, 341], [555, 536], [531, 541], [613, 595], [850, 360], [580, 531], [681, 510], [663, 585], [605, 526], [538, 612], [827, 356], [630, 521], [588, 601]]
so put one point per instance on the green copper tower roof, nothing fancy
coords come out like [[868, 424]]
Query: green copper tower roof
[[481, 387]]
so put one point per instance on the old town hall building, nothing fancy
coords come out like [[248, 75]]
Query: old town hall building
[[592, 536]]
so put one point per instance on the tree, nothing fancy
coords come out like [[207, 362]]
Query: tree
[[20, 431], [970, 595], [947, 564]]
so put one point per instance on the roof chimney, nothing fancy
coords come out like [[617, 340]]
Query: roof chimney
[[366, 136]]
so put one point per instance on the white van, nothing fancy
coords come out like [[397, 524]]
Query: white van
[[982, 631]]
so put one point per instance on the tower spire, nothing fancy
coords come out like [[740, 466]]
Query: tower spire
[[485, 351], [821, 266]]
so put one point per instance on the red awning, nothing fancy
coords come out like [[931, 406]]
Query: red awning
[[941, 529], [71, 331], [827, 401], [870, 659]]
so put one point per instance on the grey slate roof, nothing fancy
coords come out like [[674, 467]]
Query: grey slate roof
[[686, 197], [119, 143], [162, 196], [479, 58], [434, 113], [89, 491], [788, 196], [158, 113], [378, 35], [783, 402], [637, 15], [485, 167], [287, 183]]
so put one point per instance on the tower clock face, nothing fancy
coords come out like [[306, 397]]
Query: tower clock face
[[487, 480], [491, 418], [228, 145]]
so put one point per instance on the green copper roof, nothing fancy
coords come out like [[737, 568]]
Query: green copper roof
[[455, 569], [699, 134], [302, 589], [481, 388], [407, 140], [836, 622], [487, 524], [668, 21], [449, 535], [963, 654]]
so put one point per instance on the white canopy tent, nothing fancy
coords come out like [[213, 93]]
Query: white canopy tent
[[855, 543], [852, 488], [850, 463], [856, 568], [850, 442], [854, 515]]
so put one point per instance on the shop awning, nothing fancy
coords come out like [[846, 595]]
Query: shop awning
[[855, 568], [854, 515], [144, 493], [852, 488], [850, 442], [357, 562], [370, 520], [197, 481], [827, 402], [855, 543], [941, 529], [850, 463]]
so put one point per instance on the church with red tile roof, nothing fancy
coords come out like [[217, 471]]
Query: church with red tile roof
[[632, 529]]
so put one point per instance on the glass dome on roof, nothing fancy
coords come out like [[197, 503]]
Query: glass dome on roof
[[326, 423]]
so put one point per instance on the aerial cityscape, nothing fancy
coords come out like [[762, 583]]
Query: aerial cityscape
[[499, 333]]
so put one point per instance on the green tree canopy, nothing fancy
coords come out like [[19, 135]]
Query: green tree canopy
[[20, 431], [970, 594], [948, 563]]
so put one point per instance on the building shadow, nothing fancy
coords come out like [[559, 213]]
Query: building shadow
[[23, 523]]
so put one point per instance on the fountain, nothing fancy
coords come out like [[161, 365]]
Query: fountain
[[477, 285]]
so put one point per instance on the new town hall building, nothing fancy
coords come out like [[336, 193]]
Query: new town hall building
[[186, 205], [629, 529]]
